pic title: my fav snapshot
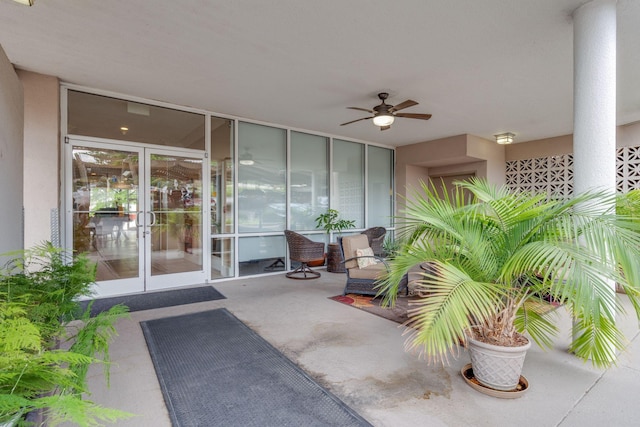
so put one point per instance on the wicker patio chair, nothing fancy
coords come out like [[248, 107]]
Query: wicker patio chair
[[376, 237], [363, 279], [304, 251]]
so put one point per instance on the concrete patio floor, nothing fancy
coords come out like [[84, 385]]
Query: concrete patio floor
[[361, 358]]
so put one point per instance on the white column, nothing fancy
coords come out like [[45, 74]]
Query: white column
[[594, 98]]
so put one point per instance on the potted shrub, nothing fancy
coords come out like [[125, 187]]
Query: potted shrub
[[485, 258], [331, 222]]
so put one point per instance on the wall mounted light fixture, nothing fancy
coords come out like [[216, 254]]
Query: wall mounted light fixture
[[504, 138]]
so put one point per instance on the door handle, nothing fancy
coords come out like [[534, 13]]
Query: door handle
[[138, 218], [153, 218]]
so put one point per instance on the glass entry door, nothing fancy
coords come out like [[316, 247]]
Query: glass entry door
[[137, 213], [173, 229]]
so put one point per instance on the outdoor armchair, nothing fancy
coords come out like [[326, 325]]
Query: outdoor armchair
[[363, 268], [376, 236], [304, 251]]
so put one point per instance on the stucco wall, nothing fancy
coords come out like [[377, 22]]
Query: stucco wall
[[456, 155], [41, 154], [11, 136], [627, 135]]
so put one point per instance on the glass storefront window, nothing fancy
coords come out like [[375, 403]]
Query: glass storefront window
[[348, 180], [263, 254], [222, 258], [124, 120], [222, 204], [261, 178], [380, 187], [309, 188]]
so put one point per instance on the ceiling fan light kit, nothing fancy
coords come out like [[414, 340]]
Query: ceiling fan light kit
[[383, 120], [385, 114]]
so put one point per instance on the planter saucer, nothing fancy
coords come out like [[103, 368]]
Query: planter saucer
[[467, 374]]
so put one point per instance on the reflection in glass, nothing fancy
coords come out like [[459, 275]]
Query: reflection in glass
[[348, 180], [258, 255], [380, 183], [221, 176], [309, 186], [175, 214], [262, 180], [105, 203], [112, 118], [222, 258]]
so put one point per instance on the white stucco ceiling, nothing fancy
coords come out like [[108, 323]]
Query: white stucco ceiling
[[480, 67]]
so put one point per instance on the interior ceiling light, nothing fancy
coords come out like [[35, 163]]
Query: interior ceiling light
[[246, 158], [25, 2], [504, 138]]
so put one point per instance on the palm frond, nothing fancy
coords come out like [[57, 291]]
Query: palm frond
[[454, 303], [498, 249]]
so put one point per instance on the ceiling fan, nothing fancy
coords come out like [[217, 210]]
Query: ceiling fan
[[384, 114]]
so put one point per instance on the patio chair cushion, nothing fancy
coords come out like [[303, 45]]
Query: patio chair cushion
[[372, 272], [365, 262], [349, 246]]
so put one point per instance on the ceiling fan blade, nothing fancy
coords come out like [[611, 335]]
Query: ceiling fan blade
[[357, 120], [385, 127], [361, 109], [414, 116], [406, 104]]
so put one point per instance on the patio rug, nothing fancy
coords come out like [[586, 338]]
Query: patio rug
[[214, 370], [371, 304], [151, 300], [398, 313]]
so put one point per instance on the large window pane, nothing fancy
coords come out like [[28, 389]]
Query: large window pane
[[111, 118], [309, 172], [348, 180], [222, 205], [261, 178], [380, 187], [222, 258], [258, 255]]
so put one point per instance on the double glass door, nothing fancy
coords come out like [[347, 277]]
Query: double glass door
[[138, 214]]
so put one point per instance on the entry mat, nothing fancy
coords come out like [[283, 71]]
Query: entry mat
[[151, 300], [214, 370]]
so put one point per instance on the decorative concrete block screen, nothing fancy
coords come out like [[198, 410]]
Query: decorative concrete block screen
[[554, 174], [628, 169]]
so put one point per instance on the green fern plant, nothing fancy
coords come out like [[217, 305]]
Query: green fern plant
[[38, 297]]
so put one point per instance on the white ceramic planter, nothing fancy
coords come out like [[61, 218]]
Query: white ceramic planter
[[495, 366]]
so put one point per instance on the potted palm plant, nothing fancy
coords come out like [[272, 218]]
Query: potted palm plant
[[330, 221], [488, 253]]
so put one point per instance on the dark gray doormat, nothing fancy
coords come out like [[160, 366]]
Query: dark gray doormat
[[151, 300], [215, 371]]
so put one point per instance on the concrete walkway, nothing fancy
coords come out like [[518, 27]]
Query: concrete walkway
[[360, 358]]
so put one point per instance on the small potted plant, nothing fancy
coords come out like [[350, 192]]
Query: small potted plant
[[331, 222]]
